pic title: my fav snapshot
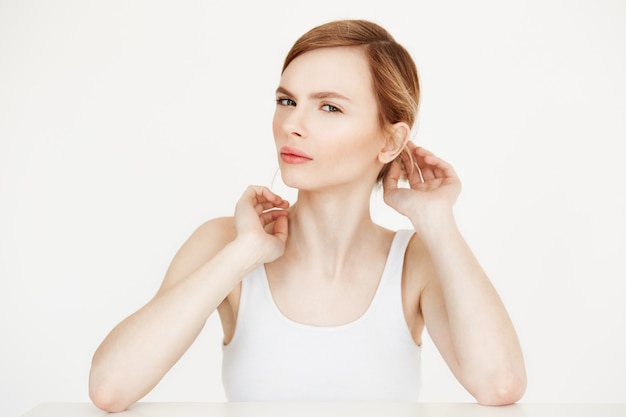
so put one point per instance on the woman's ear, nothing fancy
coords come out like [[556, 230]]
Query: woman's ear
[[397, 137]]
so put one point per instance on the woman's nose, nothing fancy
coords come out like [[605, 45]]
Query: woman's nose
[[295, 122]]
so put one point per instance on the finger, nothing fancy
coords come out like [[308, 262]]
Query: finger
[[427, 172], [261, 195], [432, 166], [281, 228], [447, 168], [418, 159], [440, 167], [390, 181], [408, 164], [261, 207], [412, 169], [275, 198], [410, 158], [272, 215]]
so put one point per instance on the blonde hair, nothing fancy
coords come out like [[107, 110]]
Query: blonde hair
[[394, 73]]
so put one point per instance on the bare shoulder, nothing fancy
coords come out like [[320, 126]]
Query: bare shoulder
[[206, 241]]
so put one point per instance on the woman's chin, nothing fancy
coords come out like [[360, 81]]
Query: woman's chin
[[295, 181]]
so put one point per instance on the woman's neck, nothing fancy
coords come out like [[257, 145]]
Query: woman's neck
[[336, 227]]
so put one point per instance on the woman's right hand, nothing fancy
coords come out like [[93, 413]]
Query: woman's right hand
[[261, 223]]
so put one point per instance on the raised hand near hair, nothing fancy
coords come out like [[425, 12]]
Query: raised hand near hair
[[433, 187], [261, 223]]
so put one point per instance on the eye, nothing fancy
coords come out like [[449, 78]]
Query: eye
[[282, 101], [330, 108]]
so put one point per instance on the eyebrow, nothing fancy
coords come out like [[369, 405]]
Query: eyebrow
[[317, 95]]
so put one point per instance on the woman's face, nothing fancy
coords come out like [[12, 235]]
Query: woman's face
[[326, 120]]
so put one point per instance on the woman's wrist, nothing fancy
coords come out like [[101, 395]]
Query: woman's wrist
[[246, 255], [435, 225]]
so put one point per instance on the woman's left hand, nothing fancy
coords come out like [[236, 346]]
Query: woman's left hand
[[434, 186]]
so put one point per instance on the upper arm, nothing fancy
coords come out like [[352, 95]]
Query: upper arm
[[206, 241], [431, 306], [435, 315]]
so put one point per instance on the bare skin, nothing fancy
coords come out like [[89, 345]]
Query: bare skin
[[444, 288]]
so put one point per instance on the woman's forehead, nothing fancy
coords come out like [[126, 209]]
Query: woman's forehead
[[342, 70]]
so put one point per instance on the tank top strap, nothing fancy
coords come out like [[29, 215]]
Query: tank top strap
[[389, 304], [401, 243], [395, 259]]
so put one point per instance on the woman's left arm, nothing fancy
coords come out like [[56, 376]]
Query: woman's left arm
[[461, 309]]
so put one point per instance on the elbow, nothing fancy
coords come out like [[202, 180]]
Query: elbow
[[107, 396], [502, 390]]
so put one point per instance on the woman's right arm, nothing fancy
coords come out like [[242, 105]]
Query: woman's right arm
[[140, 350]]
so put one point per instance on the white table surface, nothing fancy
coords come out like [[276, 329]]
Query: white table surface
[[332, 410]]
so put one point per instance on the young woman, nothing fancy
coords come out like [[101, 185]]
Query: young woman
[[317, 302]]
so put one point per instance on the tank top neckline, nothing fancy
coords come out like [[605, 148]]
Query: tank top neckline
[[384, 277]]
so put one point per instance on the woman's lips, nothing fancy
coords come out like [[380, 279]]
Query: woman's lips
[[291, 155]]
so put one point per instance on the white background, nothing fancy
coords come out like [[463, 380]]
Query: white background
[[126, 124]]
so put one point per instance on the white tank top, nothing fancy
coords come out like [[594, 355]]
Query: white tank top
[[374, 358]]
